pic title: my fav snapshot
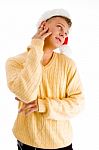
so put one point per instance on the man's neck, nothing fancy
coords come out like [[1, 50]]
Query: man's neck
[[47, 56]]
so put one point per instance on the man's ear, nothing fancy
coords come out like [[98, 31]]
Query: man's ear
[[42, 24]]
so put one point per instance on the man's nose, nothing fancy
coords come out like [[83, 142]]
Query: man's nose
[[62, 33]]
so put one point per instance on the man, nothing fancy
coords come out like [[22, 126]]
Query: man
[[47, 86]]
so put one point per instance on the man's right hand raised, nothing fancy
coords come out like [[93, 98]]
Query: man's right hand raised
[[42, 33]]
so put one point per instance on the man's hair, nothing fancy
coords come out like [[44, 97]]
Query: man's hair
[[69, 22]]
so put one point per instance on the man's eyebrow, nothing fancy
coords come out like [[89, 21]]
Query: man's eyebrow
[[61, 24]]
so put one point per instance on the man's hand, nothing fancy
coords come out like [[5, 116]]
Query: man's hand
[[28, 107], [42, 33]]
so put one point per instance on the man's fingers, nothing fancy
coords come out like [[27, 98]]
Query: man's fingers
[[43, 31], [32, 109], [41, 28], [27, 106], [30, 106], [46, 35]]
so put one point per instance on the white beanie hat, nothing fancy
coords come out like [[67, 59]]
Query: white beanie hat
[[57, 12]]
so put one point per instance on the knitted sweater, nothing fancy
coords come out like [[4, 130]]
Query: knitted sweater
[[58, 89]]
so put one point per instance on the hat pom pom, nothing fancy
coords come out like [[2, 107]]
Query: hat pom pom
[[66, 41]]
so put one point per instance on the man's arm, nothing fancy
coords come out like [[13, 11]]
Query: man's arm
[[65, 108], [24, 79], [69, 106]]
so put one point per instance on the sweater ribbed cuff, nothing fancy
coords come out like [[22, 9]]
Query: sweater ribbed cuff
[[37, 44], [42, 106]]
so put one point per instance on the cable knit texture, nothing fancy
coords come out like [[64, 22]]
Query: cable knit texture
[[58, 89]]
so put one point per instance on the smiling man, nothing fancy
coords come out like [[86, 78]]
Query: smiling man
[[47, 86]]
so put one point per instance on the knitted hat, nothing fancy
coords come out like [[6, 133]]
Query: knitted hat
[[57, 12]]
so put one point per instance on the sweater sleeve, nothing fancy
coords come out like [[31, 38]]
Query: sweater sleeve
[[69, 106], [24, 78]]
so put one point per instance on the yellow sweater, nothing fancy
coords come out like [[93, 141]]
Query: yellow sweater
[[58, 88]]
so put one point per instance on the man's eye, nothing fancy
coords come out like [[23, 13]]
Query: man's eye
[[65, 34], [59, 26]]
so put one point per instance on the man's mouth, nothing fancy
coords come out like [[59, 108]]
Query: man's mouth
[[58, 39]]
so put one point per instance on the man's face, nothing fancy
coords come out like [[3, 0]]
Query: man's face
[[59, 29]]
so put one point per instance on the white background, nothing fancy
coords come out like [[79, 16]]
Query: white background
[[18, 20]]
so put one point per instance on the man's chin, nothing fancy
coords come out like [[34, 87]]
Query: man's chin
[[57, 46]]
